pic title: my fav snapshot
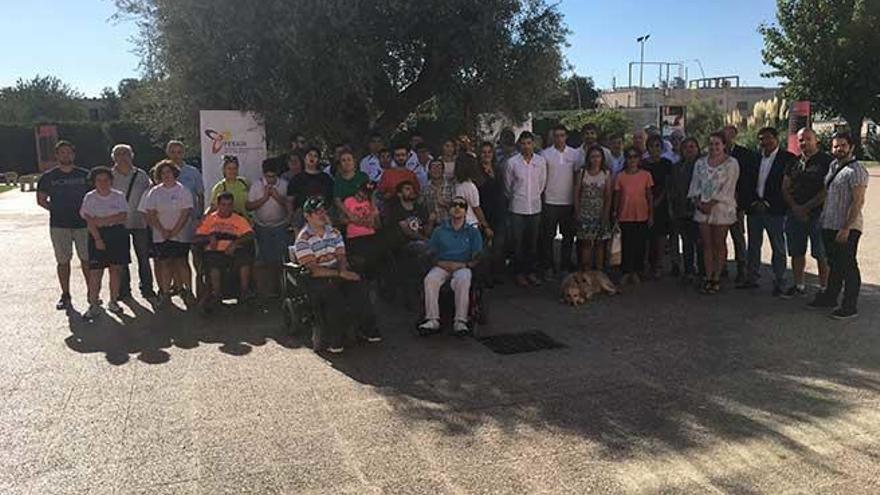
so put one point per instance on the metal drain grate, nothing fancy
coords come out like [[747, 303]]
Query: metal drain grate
[[516, 343]]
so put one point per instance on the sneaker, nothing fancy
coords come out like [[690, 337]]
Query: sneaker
[[430, 325], [63, 303], [163, 300], [93, 312], [844, 314], [740, 277], [115, 307], [460, 328], [335, 350], [793, 291], [820, 303], [374, 337]]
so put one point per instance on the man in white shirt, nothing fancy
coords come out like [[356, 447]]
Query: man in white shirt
[[133, 183], [370, 163], [419, 161], [267, 199], [557, 212], [618, 159], [524, 182]]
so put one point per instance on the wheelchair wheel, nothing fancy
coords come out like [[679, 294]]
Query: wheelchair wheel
[[291, 321], [481, 309]]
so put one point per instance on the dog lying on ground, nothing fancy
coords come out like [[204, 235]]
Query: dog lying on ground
[[579, 287]]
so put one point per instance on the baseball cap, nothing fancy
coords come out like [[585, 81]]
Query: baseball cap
[[313, 204]]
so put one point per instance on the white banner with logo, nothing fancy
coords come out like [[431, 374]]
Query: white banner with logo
[[230, 132]]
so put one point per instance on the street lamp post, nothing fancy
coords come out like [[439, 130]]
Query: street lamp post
[[641, 40]]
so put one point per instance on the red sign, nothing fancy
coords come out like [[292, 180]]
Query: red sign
[[45, 136], [798, 118]]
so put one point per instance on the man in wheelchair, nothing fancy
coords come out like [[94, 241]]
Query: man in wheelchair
[[227, 240], [456, 246], [337, 292]]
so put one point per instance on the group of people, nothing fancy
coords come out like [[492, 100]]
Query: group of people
[[495, 209]]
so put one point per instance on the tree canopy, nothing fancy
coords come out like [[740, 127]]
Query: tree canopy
[[340, 69], [828, 52], [41, 99]]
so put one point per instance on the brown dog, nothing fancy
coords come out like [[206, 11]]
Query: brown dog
[[579, 287]]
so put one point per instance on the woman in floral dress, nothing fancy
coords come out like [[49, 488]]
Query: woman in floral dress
[[592, 209]]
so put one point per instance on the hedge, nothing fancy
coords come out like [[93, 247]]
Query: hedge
[[93, 141]]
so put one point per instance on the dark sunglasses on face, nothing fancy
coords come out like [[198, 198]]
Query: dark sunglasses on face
[[459, 204], [230, 159]]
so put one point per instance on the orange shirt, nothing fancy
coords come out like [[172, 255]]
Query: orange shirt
[[633, 189], [227, 229], [391, 177]]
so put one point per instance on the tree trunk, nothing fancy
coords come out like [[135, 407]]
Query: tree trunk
[[854, 120]]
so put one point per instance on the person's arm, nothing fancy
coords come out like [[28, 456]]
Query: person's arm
[[181, 222], [786, 193], [259, 202], [649, 195], [616, 202], [43, 200], [487, 229], [111, 220], [92, 226], [240, 242], [852, 215], [578, 179]]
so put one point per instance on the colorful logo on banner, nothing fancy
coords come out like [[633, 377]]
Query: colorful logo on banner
[[222, 141]]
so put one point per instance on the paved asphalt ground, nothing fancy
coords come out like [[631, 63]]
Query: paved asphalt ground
[[659, 390]]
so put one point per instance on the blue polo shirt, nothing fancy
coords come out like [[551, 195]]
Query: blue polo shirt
[[456, 245]]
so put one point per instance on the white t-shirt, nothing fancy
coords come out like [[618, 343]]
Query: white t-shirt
[[272, 213], [449, 169], [98, 206], [561, 166], [168, 202], [468, 190]]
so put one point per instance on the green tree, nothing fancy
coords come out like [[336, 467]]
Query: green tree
[[703, 118], [828, 52], [338, 69], [608, 121], [41, 99], [575, 92]]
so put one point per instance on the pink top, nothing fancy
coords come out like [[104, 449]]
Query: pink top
[[633, 189], [360, 209]]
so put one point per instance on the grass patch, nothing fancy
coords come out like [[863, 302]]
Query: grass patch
[[6, 187]]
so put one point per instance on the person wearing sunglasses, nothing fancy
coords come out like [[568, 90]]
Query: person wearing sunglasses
[[456, 246], [337, 291], [633, 204], [233, 184]]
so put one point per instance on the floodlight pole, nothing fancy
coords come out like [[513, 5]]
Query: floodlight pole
[[641, 40]]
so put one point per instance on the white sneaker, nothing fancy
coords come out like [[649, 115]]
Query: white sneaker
[[430, 325], [115, 307], [93, 312], [335, 350], [460, 327]]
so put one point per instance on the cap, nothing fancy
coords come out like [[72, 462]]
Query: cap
[[313, 204]]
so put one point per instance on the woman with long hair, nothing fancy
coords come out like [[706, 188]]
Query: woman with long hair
[[593, 193], [713, 190]]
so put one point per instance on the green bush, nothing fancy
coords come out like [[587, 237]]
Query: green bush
[[608, 121]]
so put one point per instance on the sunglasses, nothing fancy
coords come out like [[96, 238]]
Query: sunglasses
[[459, 204], [230, 158]]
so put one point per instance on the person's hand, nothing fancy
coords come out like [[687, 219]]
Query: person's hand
[[267, 191], [212, 242], [651, 221], [349, 275], [705, 207], [165, 233], [842, 236], [489, 232], [99, 245]]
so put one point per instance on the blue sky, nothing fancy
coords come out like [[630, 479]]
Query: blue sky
[[75, 40]]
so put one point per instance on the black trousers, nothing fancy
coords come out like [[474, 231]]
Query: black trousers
[[634, 242], [844, 268], [553, 217], [688, 232], [344, 306]]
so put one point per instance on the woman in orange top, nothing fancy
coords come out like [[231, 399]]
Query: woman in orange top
[[633, 205]]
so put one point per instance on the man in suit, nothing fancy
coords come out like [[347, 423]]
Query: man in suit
[[748, 162], [767, 209]]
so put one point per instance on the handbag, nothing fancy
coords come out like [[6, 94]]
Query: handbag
[[616, 256]]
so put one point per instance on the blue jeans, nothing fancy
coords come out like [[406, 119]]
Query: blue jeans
[[775, 227], [524, 230]]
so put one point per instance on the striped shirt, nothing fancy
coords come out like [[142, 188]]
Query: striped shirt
[[840, 196], [324, 250]]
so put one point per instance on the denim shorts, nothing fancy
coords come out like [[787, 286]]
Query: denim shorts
[[797, 233]]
